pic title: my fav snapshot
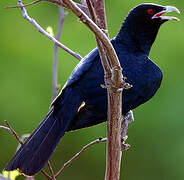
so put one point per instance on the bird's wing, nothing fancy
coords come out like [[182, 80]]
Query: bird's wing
[[82, 67], [85, 117]]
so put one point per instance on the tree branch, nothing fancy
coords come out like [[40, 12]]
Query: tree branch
[[94, 12], [114, 84], [25, 5], [97, 141], [5, 128], [41, 30], [113, 157], [13, 132], [96, 30], [51, 170]]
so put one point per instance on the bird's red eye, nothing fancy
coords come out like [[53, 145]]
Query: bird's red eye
[[150, 11]]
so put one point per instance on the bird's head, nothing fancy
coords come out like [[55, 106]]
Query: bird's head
[[151, 14], [142, 24]]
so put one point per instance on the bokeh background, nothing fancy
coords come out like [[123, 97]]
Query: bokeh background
[[156, 136]]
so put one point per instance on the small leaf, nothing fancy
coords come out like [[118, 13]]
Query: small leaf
[[50, 31], [11, 174]]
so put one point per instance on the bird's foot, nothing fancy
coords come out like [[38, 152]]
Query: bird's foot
[[128, 118], [126, 85], [103, 86], [124, 146]]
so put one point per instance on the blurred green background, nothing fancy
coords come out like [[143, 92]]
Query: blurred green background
[[156, 136]]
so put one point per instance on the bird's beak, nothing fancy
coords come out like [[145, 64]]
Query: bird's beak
[[166, 10]]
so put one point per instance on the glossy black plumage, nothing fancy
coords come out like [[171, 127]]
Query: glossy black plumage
[[132, 45]]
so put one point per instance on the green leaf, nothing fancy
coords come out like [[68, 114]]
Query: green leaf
[[50, 31]]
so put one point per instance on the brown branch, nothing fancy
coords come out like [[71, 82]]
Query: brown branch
[[91, 10], [102, 52], [13, 132], [83, 8], [51, 170], [99, 7], [99, 140], [113, 158], [46, 175], [84, 148], [114, 83]]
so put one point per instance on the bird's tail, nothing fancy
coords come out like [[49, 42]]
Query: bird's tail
[[37, 149]]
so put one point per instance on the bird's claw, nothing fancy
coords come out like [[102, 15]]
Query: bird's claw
[[123, 139], [129, 117], [125, 146], [103, 86], [127, 86]]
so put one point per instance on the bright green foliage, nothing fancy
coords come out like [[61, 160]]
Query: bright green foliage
[[11, 175]]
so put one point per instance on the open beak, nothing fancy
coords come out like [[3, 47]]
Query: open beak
[[166, 10]]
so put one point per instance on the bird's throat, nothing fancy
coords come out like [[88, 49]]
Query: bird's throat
[[136, 39]]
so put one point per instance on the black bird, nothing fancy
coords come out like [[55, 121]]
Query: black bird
[[132, 45]]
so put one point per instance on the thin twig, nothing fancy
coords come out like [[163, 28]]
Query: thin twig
[[12, 131], [55, 85], [5, 128], [24, 136], [99, 7], [92, 11], [41, 30], [25, 5], [97, 141], [83, 7], [51, 170], [97, 31], [46, 175], [102, 52]]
